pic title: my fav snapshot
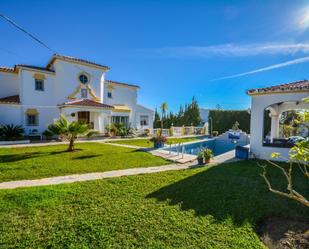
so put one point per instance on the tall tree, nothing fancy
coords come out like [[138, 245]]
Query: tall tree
[[163, 111], [194, 113], [157, 119]]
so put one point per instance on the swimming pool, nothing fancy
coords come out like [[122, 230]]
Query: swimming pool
[[217, 146]]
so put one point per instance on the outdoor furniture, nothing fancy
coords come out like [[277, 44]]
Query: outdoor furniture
[[241, 152]]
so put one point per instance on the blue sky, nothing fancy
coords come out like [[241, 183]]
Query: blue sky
[[173, 49]]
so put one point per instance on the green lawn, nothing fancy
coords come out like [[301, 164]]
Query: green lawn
[[147, 144], [215, 207], [38, 162]]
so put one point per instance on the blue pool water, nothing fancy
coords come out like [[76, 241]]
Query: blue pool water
[[217, 146]]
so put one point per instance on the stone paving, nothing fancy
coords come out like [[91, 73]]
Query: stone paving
[[93, 176]]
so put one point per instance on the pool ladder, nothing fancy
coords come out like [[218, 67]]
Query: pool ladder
[[181, 148]]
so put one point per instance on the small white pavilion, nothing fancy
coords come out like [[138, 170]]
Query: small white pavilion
[[276, 100]]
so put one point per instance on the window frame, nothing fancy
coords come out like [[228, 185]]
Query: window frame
[[36, 119], [144, 120], [39, 82], [83, 91], [83, 75], [110, 94]]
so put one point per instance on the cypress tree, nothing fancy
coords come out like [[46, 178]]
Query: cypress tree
[[157, 120]]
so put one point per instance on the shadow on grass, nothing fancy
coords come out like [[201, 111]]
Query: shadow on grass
[[234, 190], [85, 157], [27, 155]]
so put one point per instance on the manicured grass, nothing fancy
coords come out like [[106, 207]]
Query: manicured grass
[[147, 144], [218, 207], [38, 162]]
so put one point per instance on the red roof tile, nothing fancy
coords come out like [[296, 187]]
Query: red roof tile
[[302, 85], [120, 83], [7, 69], [10, 100], [87, 102], [73, 59], [35, 67]]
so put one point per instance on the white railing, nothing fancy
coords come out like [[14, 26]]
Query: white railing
[[181, 131], [165, 132]]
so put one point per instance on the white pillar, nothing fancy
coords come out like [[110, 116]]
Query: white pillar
[[101, 122], [274, 132], [102, 83]]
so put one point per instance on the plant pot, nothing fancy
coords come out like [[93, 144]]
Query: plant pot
[[157, 145], [207, 160], [200, 161]]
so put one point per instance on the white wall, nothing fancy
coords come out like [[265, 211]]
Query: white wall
[[66, 79], [258, 105], [10, 114], [29, 96], [122, 95], [8, 84], [141, 110]]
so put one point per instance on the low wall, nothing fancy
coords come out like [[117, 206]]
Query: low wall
[[14, 142]]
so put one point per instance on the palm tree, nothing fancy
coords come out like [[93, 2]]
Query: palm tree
[[163, 109], [68, 130]]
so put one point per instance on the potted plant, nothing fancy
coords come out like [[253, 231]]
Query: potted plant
[[147, 132], [48, 134], [200, 158], [215, 133], [111, 130], [158, 141], [208, 154]]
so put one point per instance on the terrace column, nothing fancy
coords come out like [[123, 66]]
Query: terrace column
[[101, 122], [274, 132]]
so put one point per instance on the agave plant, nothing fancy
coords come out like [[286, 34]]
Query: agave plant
[[11, 131]]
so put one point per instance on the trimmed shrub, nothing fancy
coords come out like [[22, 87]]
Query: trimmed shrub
[[223, 120]]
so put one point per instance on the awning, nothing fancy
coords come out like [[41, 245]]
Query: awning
[[121, 108], [31, 111]]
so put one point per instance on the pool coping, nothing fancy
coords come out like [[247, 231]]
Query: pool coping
[[178, 157]]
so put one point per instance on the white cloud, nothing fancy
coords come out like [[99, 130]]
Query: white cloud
[[263, 69], [231, 49]]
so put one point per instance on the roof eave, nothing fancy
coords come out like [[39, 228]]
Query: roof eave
[[277, 92], [63, 58], [18, 67], [85, 106]]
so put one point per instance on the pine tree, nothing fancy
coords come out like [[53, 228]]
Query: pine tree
[[157, 120]]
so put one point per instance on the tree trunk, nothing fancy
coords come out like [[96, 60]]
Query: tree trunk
[[71, 145]]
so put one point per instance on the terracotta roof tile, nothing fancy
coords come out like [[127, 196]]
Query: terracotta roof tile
[[7, 69], [73, 59], [35, 67], [120, 83], [10, 100], [87, 102], [302, 85]]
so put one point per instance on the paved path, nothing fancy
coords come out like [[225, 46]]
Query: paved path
[[125, 145], [82, 141], [93, 176], [173, 156]]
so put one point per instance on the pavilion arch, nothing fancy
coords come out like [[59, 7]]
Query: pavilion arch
[[275, 100], [275, 112]]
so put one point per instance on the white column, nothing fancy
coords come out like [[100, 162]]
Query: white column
[[102, 83], [101, 122], [274, 132]]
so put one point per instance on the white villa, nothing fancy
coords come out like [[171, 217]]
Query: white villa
[[274, 100], [35, 96]]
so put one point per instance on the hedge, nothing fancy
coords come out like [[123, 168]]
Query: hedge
[[223, 120]]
